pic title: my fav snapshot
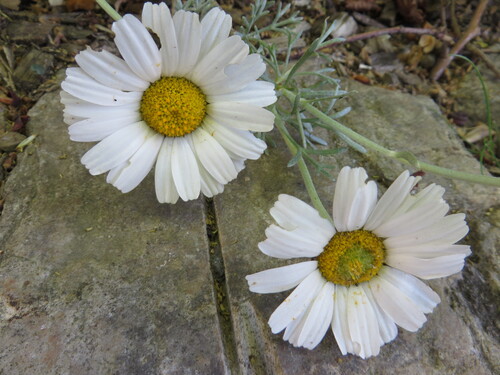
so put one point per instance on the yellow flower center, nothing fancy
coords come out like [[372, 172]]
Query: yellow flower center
[[173, 106], [351, 257]]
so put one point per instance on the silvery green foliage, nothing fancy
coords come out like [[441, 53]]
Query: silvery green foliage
[[292, 75]]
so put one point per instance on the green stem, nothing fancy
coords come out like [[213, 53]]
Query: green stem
[[306, 176], [109, 9], [403, 156]]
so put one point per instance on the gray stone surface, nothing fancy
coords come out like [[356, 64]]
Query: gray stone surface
[[460, 336], [96, 282], [33, 68], [470, 97]]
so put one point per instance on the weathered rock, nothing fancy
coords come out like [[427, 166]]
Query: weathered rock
[[32, 69], [96, 282], [10, 140], [470, 95], [76, 32], [459, 336]]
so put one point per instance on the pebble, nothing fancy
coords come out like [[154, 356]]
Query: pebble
[[9, 141]]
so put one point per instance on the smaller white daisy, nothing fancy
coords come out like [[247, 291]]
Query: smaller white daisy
[[188, 108], [362, 279]]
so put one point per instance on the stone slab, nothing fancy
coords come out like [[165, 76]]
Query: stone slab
[[460, 336], [93, 281]]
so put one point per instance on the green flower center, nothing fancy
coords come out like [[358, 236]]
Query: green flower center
[[351, 257], [173, 106]]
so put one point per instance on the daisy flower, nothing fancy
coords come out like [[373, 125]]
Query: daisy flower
[[189, 107], [362, 278]]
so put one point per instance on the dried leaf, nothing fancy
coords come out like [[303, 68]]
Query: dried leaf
[[427, 42], [410, 11], [73, 5], [477, 133], [363, 79]]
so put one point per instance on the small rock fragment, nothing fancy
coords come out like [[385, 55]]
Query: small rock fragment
[[9, 141]]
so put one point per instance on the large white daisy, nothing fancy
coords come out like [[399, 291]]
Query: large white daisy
[[189, 106], [362, 279]]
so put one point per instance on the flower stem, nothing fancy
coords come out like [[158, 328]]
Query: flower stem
[[405, 157], [306, 176], [109, 9]]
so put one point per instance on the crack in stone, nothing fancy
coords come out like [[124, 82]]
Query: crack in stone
[[220, 288]]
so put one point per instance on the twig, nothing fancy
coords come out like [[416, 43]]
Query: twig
[[472, 31], [470, 47], [443, 14], [485, 58], [392, 30], [454, 22], [364, 19]]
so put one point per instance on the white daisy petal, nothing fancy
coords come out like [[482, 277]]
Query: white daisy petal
[[415, 289], [353, 200], [362, 205], [448, 230], [282, 278], [110, 70], [239, 164], [241, 116], [215, 28], [218, 58], [92, 129], [82, 86], [431, 250], [236, 76], [240, 143], [188, 32], [363, 325], [258, 93], [213, 157], [420, 217], [431, 194], [138, 166], [391, 200], [137, 48], [296, 302], [292, 331], [209, 185], [166, 192], [276, 249], [89, 110], [387, 328], [70, 119], [340, 326], [427, 269], [292, 213], [318, 318], [296, 239], [115, 172], [401, 308], [116, 148], [185, 170], [158, 18], [68, 99]]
